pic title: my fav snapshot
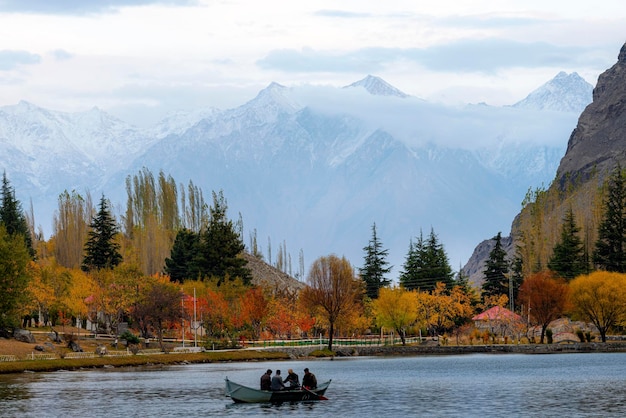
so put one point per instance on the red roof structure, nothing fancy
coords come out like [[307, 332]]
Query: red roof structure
[[497, 313]]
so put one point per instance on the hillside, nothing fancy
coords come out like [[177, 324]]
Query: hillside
[[271, 278]]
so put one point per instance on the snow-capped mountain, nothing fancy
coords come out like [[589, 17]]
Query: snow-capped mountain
[[564, 93], [310, 167], [377, 86]]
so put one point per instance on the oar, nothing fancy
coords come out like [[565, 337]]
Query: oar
[[317, 395]]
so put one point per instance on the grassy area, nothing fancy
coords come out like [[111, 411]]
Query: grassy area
[[138, 360]]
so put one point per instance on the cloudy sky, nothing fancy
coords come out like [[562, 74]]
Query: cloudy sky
[[139, 59]]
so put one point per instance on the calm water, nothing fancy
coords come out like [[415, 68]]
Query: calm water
[[556, 385]]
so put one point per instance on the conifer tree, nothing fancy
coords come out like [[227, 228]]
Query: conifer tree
[[496, 269], [412, 264], [426, 264], [375, 266], [14, 277], [568, 256], [610, 249], [12, 216], [221, 245], [101, 250], [182, 263]]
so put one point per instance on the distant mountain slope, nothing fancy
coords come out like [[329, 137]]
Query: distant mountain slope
[[309, 167]]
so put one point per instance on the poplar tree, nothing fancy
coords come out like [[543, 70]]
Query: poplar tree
[[101, 250], [496, 269], [609, 253], [12, 216], [568, 255], [374, 266]]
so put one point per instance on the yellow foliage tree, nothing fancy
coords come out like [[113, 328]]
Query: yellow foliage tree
[[396, 309], [600, 298]]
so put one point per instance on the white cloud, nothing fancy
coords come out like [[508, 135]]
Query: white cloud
[[159, 52]]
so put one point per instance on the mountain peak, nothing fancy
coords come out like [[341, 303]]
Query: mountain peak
[[275, 95], [564, 93], [378, 87]]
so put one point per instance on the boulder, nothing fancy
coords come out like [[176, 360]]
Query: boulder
[[75, 347], [39, 348], [24, 336]]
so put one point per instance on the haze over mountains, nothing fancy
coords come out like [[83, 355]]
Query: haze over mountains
[[313, 166]]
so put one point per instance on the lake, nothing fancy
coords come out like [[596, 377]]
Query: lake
[[481, 385]]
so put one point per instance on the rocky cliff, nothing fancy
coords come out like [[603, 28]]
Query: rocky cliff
[[599, 141]]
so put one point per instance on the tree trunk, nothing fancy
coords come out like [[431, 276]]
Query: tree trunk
[[331, 331]]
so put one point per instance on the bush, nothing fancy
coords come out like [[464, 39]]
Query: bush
[[549, 335], [129, 337], [581, 335]]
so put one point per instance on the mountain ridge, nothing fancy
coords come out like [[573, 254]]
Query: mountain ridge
[[315, 174]]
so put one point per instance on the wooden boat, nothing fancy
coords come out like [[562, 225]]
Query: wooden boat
[[244, 394]]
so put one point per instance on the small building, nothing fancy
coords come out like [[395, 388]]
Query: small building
[[499, 321]]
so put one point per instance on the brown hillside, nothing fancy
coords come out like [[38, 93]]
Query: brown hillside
[[271, 278]]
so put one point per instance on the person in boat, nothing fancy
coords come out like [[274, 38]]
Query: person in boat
[[309, 381], [277, 382], [292, 379], [266, 380]]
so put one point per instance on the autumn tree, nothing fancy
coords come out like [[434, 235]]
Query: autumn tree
[[333, 288], [101, 249], [600, 298], [14, 277], [496, 270], [375, 266], [568, 256], [396, 309], [610, 250], [546, 298], [70, 228], [152, 218], [159, 303], [442, 309], [12, 216], [254, 310]]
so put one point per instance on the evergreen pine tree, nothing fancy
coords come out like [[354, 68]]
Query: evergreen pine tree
[[496, 269], [568, 259], [14, 278], [517, 276], [183, 261], [12, 216], [221, 245], [609, 253], [101, 250], [436, 264], [426, 264], [412, 264], [375, 266]]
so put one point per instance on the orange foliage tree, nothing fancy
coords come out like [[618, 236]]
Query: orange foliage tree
[[546, 298]]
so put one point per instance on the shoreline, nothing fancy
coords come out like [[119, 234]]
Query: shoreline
[[292, 353]]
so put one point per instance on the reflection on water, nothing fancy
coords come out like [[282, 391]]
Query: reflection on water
[[448, 386]]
